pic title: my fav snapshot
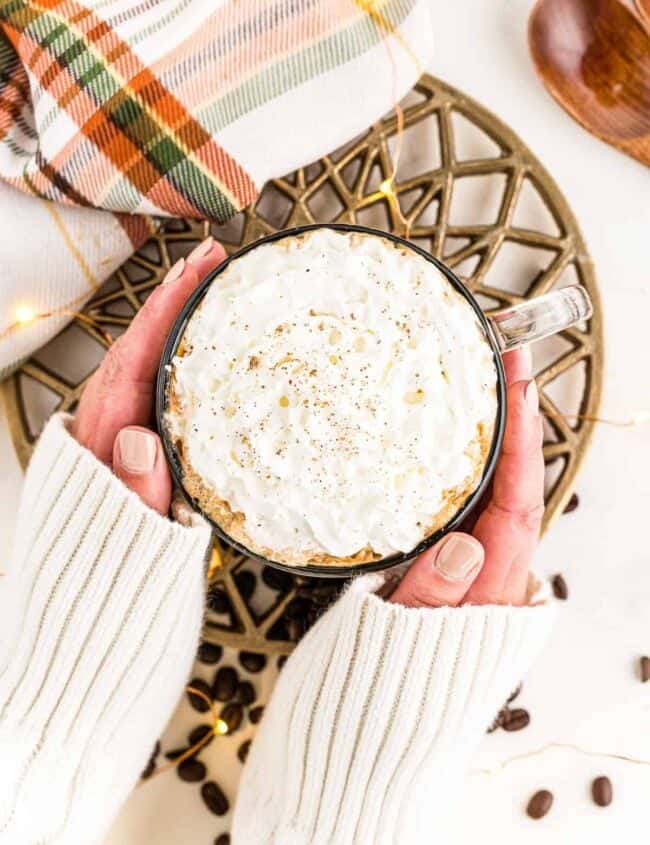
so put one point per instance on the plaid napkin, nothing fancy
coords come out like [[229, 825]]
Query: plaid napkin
[[169, 108]]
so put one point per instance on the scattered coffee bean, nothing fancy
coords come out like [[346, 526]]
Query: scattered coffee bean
[[514, 693], [256, 714], [245, 693], [242, 751], [560, 589], [218, 601], [175, 753], [197, 701], [276, 579], [572, 504], [540, 804], [246, 582], [191, 770], [232, 714], [214, 799], [282, 660], [645, 669], [499, 720], [225, 683], [324, 595], [602, 791], [252, 661], [298, 608], [224, 839], [198, 734], [516, 719], [150, 768], [209, 653]]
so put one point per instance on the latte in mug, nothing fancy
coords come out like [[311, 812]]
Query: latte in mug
[[333, 399]]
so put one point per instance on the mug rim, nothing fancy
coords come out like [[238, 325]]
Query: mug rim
[[320, 570]]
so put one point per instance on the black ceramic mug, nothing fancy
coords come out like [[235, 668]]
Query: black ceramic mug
[[509, 329]]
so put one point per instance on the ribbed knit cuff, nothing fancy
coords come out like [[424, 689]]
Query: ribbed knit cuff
[[103, 606], [376, 710]]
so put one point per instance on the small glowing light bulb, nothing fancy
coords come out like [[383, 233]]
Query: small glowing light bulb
[[25, 314], [221, 727], [386, 187]]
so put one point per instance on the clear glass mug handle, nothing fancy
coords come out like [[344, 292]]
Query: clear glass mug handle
[[540, 317]]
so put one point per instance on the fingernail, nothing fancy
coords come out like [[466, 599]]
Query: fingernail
[[201, 250], [531, 397], [459, 556], [175, 272], [137, 450]]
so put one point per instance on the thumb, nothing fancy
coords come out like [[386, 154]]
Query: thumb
[[139, 462], [443, 574]]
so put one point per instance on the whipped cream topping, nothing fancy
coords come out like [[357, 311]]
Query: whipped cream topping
[[329, 389]]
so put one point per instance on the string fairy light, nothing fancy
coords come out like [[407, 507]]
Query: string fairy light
[[219, 727], [640, 418], [26, 315]]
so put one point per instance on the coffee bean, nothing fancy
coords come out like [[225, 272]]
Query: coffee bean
[[150, 768], [516, 719], [209, 653], [198, 734], [224, 839], [214, 799], [252, 661], [245, 693], [602, 791], [540, 804], [218, 601], [572, 504], [276, 579], [246, 582], [324, 595], [225, 683], [645, 669], [560, 589], [297, 608], [197, 701], [242, 751], [191, 770], [256, 714], [232, 714], [514, 693], [175, 753], [499, 720]]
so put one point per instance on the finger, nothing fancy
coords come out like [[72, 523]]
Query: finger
[[509, 526], [518, 365], [139, 462], [442, 575], [120, 393]]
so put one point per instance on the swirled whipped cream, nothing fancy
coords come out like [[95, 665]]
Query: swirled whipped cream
[[333, 399]]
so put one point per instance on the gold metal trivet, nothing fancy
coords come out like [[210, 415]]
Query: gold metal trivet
[[346, 186]]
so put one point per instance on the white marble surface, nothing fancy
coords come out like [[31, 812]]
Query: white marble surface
[[587, 704]]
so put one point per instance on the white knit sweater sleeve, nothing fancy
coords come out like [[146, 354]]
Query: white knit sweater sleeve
[[100, 613], [369, 729]]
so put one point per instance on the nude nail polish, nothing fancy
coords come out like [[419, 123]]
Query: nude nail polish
[[201, 250], [175, 273], [137, 450], [458, 557]]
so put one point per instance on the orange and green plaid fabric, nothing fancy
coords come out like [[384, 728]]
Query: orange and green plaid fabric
[[142, 106]]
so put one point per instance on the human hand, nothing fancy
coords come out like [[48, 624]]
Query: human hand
[[116, 406], [490, 564]]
